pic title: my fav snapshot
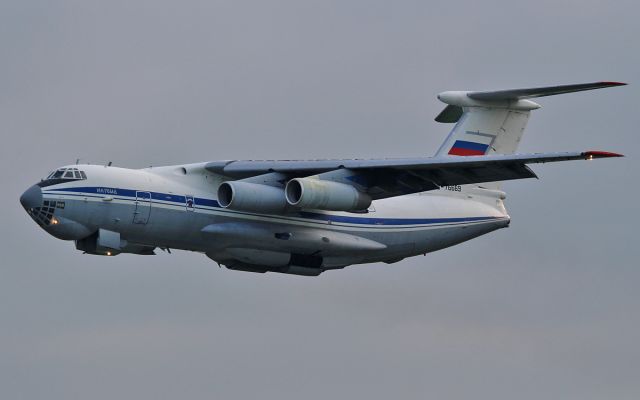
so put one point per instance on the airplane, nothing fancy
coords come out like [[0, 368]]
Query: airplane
[[309, 216]]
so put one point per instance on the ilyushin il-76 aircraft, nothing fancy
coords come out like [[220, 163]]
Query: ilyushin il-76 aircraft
[[307, 217]]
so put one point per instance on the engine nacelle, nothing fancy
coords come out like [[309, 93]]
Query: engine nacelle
[[325, 195], [253, 197]]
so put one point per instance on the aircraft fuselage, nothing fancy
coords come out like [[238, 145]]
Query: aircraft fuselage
[[110, 210]]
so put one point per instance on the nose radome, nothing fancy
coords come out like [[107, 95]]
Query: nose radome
[[32, 197]]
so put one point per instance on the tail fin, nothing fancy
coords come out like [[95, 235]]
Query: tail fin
[[493, 122]]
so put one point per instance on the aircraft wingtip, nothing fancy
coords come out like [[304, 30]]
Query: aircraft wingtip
[[612, 83], [590, 155]]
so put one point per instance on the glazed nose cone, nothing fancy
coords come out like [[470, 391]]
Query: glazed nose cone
[[31, 198]]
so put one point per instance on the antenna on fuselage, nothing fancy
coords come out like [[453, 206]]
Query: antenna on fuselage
[[110, 162], [77, 161]]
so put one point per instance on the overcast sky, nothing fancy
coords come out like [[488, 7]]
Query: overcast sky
[[545, 309]]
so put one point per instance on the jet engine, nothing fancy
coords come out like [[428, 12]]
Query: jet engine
[[252, 197], [325, 195]]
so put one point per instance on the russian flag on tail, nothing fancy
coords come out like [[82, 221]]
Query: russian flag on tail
[[464, 148]]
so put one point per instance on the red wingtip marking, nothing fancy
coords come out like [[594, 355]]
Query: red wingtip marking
[[610, 83], [601, 154]]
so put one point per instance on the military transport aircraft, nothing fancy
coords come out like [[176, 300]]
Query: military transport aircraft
[[307, 217]]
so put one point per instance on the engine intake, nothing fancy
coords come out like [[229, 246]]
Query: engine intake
[[325, 195], [253, 197]]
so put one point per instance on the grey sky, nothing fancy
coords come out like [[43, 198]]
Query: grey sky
[[545, 309]]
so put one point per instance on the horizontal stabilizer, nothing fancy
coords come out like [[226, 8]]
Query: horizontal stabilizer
[[529, 93], [513, 99]]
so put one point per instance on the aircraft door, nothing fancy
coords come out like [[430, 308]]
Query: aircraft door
[[143, 208], [189, 202]]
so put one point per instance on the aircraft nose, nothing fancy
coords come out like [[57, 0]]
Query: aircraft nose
[[32, 197]]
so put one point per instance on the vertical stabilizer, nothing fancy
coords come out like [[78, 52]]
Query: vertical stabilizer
[[482, 130]]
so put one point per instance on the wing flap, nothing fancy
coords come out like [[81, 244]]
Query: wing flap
[[478, 174]]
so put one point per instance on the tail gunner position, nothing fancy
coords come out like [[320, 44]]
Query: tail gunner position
[[306, 217]]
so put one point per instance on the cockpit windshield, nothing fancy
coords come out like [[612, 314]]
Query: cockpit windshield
[[63, 175]]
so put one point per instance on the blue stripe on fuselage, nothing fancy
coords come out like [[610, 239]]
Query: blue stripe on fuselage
[[202, 202]]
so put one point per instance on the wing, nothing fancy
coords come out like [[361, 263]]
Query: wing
[[382, 178]]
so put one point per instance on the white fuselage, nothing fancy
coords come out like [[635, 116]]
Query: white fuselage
[[176, 207]]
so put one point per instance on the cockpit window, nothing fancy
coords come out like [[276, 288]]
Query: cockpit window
[[63, 175]]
